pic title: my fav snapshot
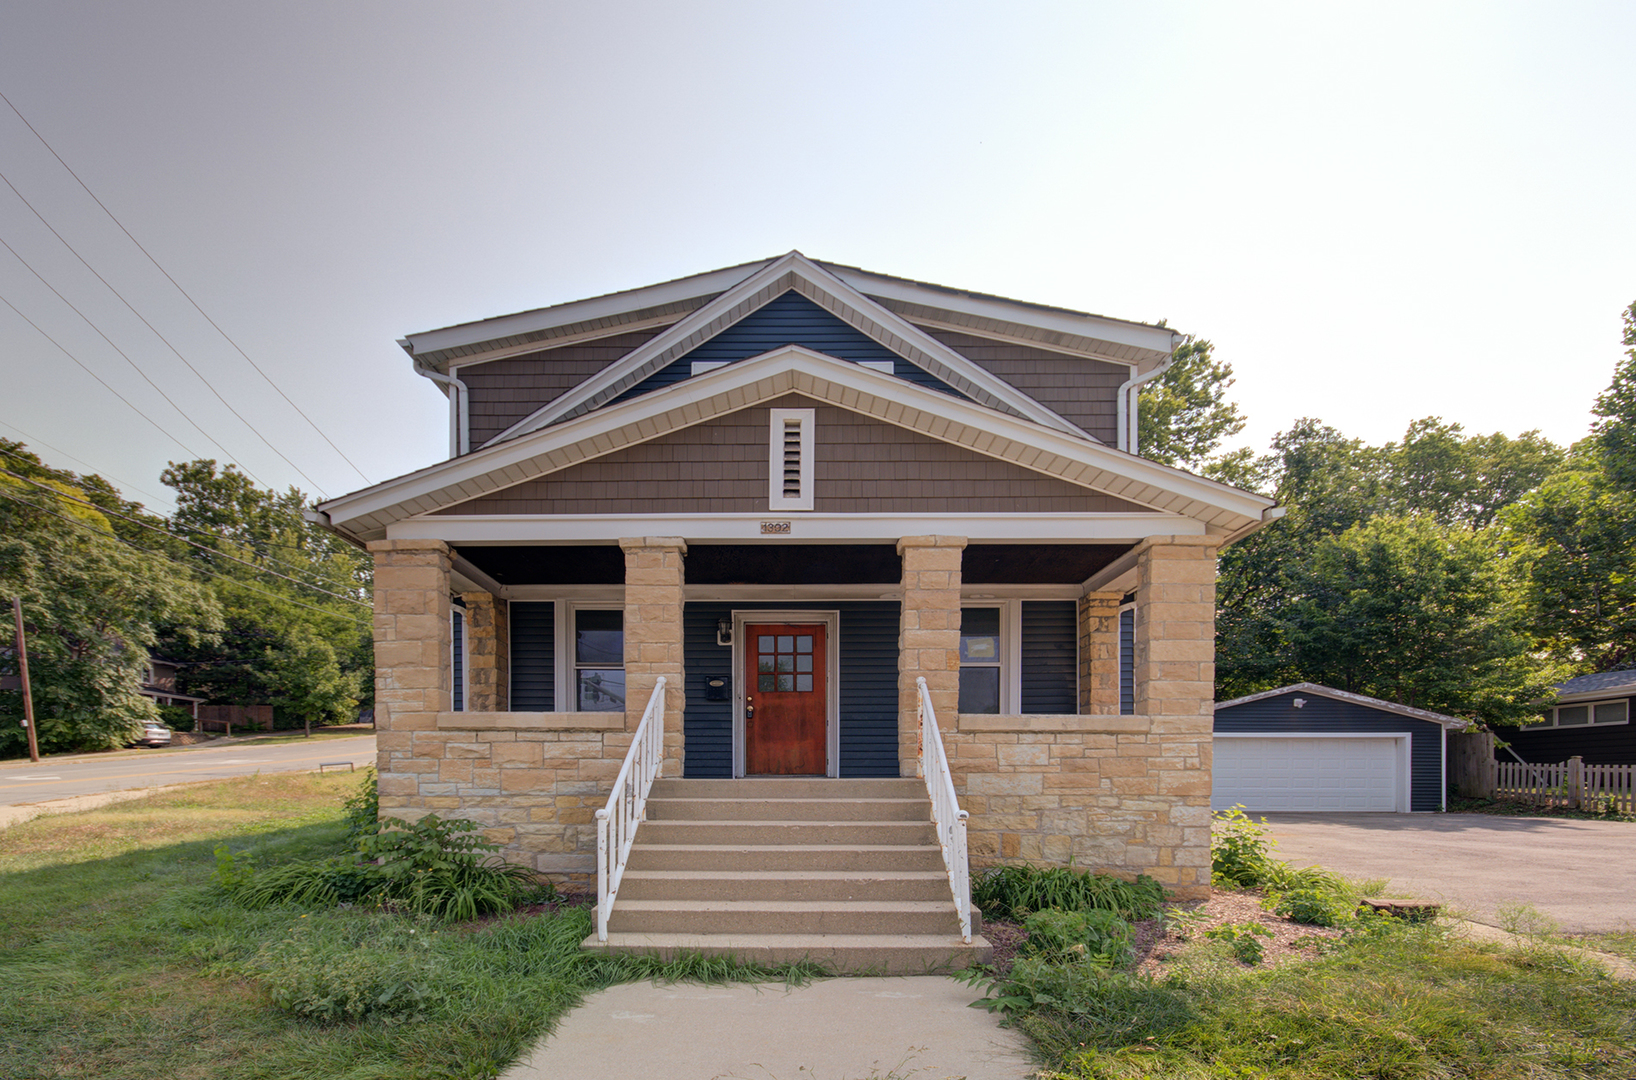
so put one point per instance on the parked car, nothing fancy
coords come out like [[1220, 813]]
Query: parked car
[[153, 734]]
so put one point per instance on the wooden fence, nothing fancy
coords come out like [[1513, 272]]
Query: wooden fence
[[227, 717], [1571, 785]]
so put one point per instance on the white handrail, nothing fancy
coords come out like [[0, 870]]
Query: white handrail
[[947, 817], [616, 823]]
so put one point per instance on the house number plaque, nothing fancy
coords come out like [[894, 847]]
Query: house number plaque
[[775, 528]]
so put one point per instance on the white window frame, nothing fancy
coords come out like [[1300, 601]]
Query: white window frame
[[567, 693], [777, 420], [1590, 713], [1010, 662]]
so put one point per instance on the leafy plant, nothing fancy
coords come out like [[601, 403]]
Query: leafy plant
[[1241, 858], [1097, 937], [1244, 940], [1014, 892], [362, 810], [1313, 907]]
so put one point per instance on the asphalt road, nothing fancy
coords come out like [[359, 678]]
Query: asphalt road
[[1579, 873], [66, 777]]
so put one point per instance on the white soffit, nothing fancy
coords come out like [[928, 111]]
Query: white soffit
[[793, 271], [793, 369]]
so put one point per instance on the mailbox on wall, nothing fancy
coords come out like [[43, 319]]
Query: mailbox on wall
[[718, 688]]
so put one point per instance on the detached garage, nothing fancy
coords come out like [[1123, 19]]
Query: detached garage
[[1310, 748]]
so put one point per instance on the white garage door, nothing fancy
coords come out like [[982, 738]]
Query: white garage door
[[1280, 773]]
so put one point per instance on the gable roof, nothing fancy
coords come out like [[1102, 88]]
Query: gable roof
[[1606, 682], [1140, 345], [791, 272], [1453, 723], [367, 514]]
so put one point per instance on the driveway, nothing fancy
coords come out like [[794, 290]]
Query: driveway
[[1580, 873]]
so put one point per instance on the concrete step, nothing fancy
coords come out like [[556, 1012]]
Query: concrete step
[[708, 917], [793, 884], [778, 787], [786, 832], [650, 855], [675, 808], [884, 954]]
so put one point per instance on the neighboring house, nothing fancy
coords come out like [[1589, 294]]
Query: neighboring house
[[1313, 748], [1590, 720], [793, 489], [159, 683]]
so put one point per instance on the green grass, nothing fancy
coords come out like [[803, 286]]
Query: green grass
[[1619, 943], [118, 959]]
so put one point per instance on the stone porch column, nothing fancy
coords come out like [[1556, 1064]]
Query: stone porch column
[[1175, 689], [1099, 653], [928, 638], [653, 634], [412, 658], [488, 653]]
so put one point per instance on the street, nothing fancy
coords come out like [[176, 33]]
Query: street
[[68, 776]]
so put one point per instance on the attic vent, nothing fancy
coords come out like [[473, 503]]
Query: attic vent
[[790, 459]]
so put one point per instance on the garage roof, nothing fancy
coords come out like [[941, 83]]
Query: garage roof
[[1453, 723]]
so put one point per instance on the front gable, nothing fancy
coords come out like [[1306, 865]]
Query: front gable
[[861, 465]]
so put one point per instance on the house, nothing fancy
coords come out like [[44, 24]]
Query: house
[[1590, 720], [159, 683], [794, 489], [1314, 748]]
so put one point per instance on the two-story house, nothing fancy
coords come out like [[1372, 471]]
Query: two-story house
[[795, 489]]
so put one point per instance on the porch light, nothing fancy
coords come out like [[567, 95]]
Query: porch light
[[724, 630], [1300, 703]]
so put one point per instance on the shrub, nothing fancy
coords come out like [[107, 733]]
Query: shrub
[[1244, 940], [1097, 937], [362, 809], [335, 984], [1014, 892], [1241, 858], [1313, 907]]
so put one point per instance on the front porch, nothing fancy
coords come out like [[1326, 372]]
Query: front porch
[[489, 707]]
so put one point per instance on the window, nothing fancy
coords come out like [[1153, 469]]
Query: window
[[599, 660], [980, 658], [1591, 714], [789, 459]]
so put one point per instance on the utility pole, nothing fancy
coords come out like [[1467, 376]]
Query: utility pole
[[28, 695]]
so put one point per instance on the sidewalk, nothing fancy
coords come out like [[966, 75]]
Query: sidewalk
[[907, 1028]]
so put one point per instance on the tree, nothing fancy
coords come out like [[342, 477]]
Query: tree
[[1183, 415], [93, 609], [307, 680]]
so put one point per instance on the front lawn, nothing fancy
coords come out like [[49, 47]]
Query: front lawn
[[118, 959]]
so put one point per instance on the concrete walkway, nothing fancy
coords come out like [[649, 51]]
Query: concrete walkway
[[911, 1028]]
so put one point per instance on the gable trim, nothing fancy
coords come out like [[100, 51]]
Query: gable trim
[[792, 272], [367, 513]]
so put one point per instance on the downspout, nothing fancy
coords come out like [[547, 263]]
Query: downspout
[[1126, 399], [459, 430]]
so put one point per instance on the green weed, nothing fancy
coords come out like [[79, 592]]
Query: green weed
[[1013, 892]]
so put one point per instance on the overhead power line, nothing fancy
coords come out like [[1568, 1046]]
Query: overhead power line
[[60, 348], [183, 539], [186, 295], [174, 350], [30, 440], [186, 566]]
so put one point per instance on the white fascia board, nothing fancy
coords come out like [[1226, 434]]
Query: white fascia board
[[1452, 722], [507, 351], [577, 311], [805, 527], [885, 326], [1610, 693], [791, 369], [1136, 335]]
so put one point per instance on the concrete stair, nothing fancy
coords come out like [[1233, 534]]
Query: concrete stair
[[843, 872]]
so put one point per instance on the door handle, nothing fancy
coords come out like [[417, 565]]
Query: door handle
[[749, 709]]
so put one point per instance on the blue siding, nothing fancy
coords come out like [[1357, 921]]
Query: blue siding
[[457, 633], [1279, 716], [1127, 661], [533, 656], [1050, 656], [868, 681], [790, 319], [1614, 744]]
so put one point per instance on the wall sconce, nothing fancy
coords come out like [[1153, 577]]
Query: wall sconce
[[1300, 703], [724, 630]]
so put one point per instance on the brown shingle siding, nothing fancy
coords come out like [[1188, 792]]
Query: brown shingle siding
[[505, 391], [862, 466], [1082, 391]]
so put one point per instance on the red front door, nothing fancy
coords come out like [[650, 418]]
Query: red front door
[[785, 713]]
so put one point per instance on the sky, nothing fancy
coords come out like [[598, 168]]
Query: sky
[[1377, 212]]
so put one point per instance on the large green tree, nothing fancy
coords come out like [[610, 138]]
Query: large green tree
[[94, 606], [284, 583], [1184, 415]]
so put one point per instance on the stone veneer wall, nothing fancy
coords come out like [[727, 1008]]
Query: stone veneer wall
[[1127, 794], [928, 636]]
